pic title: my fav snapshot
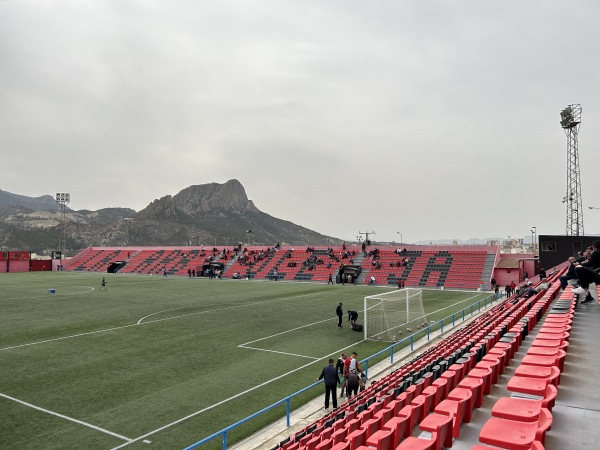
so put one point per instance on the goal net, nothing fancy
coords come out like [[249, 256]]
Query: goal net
[[391, 314]]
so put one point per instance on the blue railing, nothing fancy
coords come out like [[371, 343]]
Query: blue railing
[[410, 340]]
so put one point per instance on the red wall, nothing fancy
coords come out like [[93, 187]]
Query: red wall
[[41, 265], [18, 266]]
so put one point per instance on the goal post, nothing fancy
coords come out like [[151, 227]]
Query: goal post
[[391, 314]]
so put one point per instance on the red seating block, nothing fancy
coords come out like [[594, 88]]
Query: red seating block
[[357, 438], [400, 426], [526, 385], [442, 426], [475, 385], [433, 395], [340, 435], [371, 426], [522, 409], [341, 446], [450, 377], [384, 415], [454, 409], [485, 375], [382, 440], [419, 403], [410, 412], [326, 444], [352, 424], [311, 444], [550, 374], [466, 396], [417, 443], [516, 435], [442, 385]]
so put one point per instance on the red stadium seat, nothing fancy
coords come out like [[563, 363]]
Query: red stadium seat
[[515, 435], [442, 426]]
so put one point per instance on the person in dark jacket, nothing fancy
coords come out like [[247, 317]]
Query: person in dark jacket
[[570, 275], [340, 313], [587, 273], [330, 376]]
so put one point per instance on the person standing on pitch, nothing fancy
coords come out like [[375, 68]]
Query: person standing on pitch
[[103, 286], [329, 375], [340, 313]]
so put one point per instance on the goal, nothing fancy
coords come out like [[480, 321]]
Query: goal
[[391, 314]]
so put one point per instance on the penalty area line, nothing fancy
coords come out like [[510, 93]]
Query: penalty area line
[[62, 416], [281, 353]]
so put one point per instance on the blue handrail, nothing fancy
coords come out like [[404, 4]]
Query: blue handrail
[[390, 349]]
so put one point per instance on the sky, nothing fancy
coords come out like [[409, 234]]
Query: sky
[[416, 120]]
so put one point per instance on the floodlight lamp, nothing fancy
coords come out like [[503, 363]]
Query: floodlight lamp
[[62, 197]]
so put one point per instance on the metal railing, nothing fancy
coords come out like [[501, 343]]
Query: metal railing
[[452, 319]]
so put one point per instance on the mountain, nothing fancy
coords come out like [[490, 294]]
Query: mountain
[[208, 214], [43, 203]]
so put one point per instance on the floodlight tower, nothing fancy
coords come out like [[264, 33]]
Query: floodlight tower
[[570, 120], [366, 233], [63, 200]]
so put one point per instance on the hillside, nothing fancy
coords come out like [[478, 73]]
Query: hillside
[[211, 214]]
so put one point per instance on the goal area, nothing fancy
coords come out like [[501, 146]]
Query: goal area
[[391, 314]]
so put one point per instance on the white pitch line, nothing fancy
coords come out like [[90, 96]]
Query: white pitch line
[[57, 294], [221, 309], [287, 331], [146, 323], [208, 408], [62, 416], [68, 337], [281, 353]]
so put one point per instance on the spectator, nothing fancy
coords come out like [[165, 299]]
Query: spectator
[[353, 383], [587, 272], [339, 366], [544, 284], [542, 273], [570, 275], [362, 382], [329, 375]]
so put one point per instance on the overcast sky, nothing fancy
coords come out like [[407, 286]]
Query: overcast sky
[[433, 119]]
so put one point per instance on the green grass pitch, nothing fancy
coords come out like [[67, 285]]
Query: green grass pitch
[[161, 359]]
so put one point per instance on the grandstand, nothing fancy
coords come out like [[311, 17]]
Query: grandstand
[[417, 266]]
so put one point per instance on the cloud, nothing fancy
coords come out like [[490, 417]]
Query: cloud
[[440, 119]]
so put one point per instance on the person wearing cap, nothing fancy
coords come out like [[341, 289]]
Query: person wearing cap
[[340, 313]]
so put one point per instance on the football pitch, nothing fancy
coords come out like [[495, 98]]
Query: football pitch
[[156, 362]]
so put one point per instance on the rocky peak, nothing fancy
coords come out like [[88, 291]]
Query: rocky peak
[[161, 208], [230, 196]]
